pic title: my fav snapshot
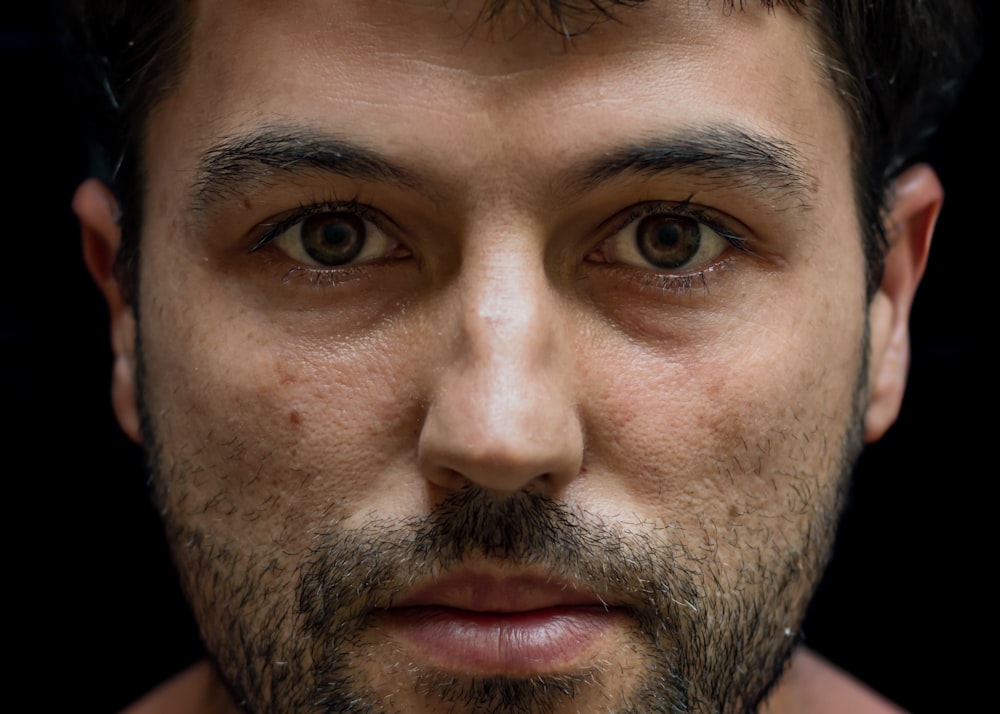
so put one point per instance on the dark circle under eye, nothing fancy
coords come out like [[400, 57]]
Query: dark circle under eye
[[668, 241], [333, 238]]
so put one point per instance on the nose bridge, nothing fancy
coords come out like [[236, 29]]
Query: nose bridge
[[505, 306], [503, 412]]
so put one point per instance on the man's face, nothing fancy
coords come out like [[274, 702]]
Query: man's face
[[486, 368]]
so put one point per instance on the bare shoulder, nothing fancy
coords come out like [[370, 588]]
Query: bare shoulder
[[195, 690], [815, 685]]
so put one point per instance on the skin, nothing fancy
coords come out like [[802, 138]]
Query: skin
[[504, 403]]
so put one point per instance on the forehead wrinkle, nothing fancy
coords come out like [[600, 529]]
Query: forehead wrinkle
[[722, 153]]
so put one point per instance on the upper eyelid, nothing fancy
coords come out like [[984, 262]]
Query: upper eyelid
[[650, 207]]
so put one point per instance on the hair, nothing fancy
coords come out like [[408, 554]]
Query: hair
[[898, 67]]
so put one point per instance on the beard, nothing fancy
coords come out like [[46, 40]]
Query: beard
[[701, 643], [296, 633]]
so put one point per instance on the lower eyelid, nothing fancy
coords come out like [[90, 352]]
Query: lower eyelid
[[694, 283], [675, 283], [324, 277]]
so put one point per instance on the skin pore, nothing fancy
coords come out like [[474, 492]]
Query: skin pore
[[481, 370]]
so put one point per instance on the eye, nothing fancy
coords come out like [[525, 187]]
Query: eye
[[331, 238], [666, 238]]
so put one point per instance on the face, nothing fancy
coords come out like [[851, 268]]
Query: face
[[485, 367]]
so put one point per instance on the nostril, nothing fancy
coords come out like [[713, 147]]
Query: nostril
[[446, 478]]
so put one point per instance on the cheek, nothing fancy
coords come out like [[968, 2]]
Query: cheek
[[730, 431], [268, 430]]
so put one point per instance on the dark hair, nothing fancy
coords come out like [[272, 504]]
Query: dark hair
[[898, 66]]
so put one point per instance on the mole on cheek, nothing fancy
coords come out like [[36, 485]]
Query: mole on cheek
[[294, 417]]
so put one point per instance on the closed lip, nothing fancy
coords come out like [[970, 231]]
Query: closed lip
[[485, 622]]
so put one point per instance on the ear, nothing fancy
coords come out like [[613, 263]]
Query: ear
[[97, 212], [914, 207]]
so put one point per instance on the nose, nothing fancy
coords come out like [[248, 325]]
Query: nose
[[503, 413]]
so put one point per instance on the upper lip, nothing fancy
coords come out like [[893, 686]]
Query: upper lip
[[481, 590]]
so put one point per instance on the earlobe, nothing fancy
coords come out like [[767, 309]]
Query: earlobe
[[97, 212], [914, 208]]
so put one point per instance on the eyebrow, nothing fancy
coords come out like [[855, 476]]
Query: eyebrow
[[720, 154], [257, 159]]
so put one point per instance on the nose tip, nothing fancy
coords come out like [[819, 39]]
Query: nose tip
[[502, 438]]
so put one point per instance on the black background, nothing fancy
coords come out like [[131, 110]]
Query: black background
[[95, 612]]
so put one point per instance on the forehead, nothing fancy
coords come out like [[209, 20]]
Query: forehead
[[431, 80]]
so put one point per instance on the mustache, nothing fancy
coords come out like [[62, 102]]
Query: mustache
[[351, 572]]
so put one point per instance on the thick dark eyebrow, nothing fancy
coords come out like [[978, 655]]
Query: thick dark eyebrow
[[720, 155], [242, 163]]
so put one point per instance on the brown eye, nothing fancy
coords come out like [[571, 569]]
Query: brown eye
[[333, 238], [337, 238], [665, 241], [668, 241]]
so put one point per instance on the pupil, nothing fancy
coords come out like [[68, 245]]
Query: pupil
[[667, 236], [668, 241], [333, 238]]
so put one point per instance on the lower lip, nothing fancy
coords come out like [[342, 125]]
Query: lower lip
[[519, 643]]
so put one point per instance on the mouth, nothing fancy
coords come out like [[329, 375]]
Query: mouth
[[484, 623]]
